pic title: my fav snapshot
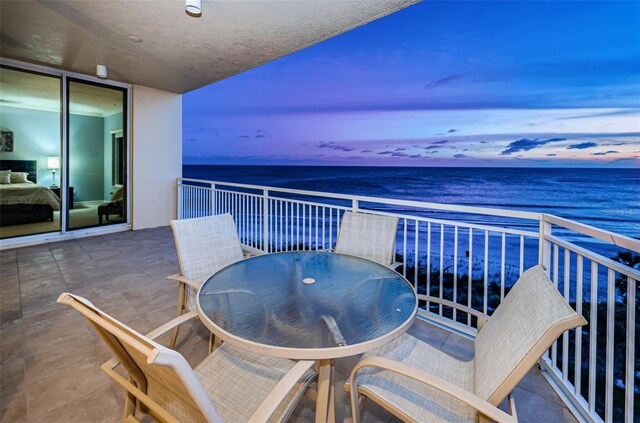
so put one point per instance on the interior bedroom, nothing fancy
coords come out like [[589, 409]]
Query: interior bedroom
[[32, 167]]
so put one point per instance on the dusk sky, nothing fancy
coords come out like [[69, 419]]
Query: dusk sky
[[439, 84]]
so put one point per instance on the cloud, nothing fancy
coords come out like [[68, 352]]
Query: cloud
[[604, 153], [260, 136], [623, 112], [436, 144], [526, 144], [258, 131], [415, 156], [582, 146], [398, 154], [451, 131], [366, 151], [244, 136], [400, 149], [551, 155], [333, 146], [460, 156], [385, 152], [447, 80]]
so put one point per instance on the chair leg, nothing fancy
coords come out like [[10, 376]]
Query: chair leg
[[214, 342], [129, 407], [181, 307]]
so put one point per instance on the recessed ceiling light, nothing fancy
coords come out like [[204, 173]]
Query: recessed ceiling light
[[134, 39], [193, 8]]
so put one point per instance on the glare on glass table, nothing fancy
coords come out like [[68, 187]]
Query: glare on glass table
[[307, 305]]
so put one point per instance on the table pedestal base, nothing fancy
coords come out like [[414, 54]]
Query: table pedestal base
[[325, 404]]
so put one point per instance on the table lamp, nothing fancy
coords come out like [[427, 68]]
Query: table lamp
[[53, 164]]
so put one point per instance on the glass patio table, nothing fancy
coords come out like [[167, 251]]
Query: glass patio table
[[308, 305]]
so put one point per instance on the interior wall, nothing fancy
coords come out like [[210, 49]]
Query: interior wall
[[157, 155], [111, 123], [86, 157], [36, 136]]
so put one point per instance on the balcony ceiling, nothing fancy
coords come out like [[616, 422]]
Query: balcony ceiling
[[178, 53]]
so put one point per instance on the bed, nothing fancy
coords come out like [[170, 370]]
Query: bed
[[22, 203]]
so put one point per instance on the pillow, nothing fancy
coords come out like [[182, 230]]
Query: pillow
[[118, 195], [19, 177], [5, 176]]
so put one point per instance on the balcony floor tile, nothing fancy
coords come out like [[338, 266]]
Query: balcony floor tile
[[51, 357]]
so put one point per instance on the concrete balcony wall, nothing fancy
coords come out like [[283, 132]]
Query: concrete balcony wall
[[156, 130]]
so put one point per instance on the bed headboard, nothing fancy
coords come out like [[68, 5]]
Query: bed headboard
[[30, 166]]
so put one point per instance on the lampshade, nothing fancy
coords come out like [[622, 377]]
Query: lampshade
[[53, 163]]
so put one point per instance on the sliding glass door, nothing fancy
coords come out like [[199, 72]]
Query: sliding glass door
[[63, 153], [97, 189], [30, 153]]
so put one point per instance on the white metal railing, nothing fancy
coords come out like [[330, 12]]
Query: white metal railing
[[472, 256]]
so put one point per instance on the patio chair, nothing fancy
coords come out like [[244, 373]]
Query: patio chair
[[370, 236], [115, 206], [417, 382], [204, 246], [230, 385]]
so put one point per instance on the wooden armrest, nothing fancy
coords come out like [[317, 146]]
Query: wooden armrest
[[431, 380], [482, 318], [171, 324], [394, 265], [280, 391], [251, 252], [178, 277], [334, 330]]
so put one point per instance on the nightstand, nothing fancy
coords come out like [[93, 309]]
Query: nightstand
[[56, 191]]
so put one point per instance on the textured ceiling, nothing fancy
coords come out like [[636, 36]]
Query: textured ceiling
[[178, 53]]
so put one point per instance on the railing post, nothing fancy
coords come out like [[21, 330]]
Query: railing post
[[265, 220], [179, 198], [544, 247], [213, 199], [354, 205]]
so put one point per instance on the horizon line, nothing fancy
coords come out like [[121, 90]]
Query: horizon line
[[411, 167]]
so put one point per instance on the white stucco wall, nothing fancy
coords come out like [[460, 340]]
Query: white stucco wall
[[156, 128]]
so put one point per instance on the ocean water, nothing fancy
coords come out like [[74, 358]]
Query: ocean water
[[605, 198]]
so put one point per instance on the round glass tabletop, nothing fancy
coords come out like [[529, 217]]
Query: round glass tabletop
[[307, 302]]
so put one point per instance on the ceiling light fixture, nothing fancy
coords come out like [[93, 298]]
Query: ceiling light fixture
[[134, 39], [101, 71], [193, 8]]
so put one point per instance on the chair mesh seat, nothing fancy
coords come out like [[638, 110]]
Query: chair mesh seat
[[416, 400], [253, 377], [205, 245], [369, 236]]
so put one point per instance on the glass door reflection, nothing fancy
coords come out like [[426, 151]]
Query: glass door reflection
[[30, 146], [96, 155]]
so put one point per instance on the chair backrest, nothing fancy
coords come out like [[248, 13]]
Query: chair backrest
[[525, 325], [369, 236], [162, 374], [206, 245]]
